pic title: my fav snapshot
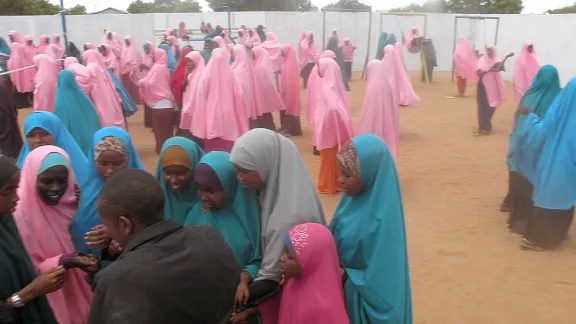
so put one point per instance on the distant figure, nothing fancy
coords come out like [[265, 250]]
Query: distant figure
[[348, 52], [429, 61], [465, 62], [525, 68]]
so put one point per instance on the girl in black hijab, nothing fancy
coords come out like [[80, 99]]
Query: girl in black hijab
[[10, 137]]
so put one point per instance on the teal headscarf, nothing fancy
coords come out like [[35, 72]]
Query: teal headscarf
[[382, 41], [391, 40], [170, 60], [206, 54], [4, 49], [75, 110], [239, 220], [177, 205], [370, 237], [334, 47], [539, 96]]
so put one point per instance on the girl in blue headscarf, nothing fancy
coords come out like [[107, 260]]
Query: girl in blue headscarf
[[175, 172], [110, 153], [232, 210], [375, 261], [546, 158], [44, 128], [539, 96], [171, 61], [75, 110]]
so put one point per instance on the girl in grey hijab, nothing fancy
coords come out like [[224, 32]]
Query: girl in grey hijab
[[271, 164]]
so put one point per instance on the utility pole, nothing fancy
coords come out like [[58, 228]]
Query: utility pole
[[64, 34]]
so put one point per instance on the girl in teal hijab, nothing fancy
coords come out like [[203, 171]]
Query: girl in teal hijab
[[382, 41], [175, 171], [76, 111], [209, 45], [538, 98], [375, 261], [232, 210], [335, 47]]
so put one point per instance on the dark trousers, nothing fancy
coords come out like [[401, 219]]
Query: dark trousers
[[485, 112], [348, 66]]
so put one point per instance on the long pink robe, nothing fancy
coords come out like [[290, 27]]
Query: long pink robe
[[131, 60], [493, 81], [29, 53], [17, 60], [243, 70], [103, 92], [332, 121], [406, 94], [525, 68], [45, 83], [269, 96], [83, 76], [156, 85], [110, 60], [465, 60], [313, 86], [274, 49], [45, 232], [42, 44], [289, 82], [348, 50], [55, 39], [189, 96]]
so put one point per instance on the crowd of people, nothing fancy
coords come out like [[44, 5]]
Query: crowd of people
[[230, 227]]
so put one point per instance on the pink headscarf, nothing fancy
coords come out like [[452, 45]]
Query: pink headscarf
[[289, 82], [103, 92], [243, 70], [89, 46], [380, 115], [131, 60], [316, 296], [82, 75], [493, 82], [313, 86], [243, 38], [16, 36], [110, 60], [221, 115], [274, 49], [307, 50], [156, 85], [114, 42], [269, 96], [147, 59], [225, 36], [371, 68], [55, 39], [465, 60], [348, 50], [525, 69], [45, 233], [406, 94], [411, 36], [220, 41], [45, 83], [17, 60], [191, 88], [254, 38], [29, 53], [53, 52], [42, 44], [332, 122], [168, 32]]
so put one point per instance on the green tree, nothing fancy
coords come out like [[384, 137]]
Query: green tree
[[485, 6], [158, 6], [348, 4], [76, 10], [563, 10], [27, 7], [430, 6], [262, 5]]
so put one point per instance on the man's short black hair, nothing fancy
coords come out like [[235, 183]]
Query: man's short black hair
[[135, 194]]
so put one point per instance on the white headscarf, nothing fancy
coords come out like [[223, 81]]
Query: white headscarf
[[288, 197]]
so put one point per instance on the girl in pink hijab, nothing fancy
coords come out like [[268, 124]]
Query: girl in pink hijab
[[273, 48], [17, 60], [254, 37], [312, 90], [109, 59], [269, 96], [380, 115], [89, 46], [465, 62], [156, 93], [244, 39], [307, 55], [54, 53], [55, 39], [243, 70], [412, 34], [131, 60], [194, 70], [348, 53], [29, 53], [45, 83], [290, 93], [332, 124], [113, 40], [42, 44], [491, 92], [219, 118], [312, 290], [103, 93], [83, 76], [525, 68], [406, 94], [47, 185]]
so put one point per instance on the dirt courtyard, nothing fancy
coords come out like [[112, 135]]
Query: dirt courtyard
[[465, 266]]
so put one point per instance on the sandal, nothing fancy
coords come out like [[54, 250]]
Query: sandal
[[529, 246]]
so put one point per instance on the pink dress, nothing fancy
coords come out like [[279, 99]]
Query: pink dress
[[17, 60], [44, 230], [269, 96], [274, 49], [316, 296], [493, 81], [348, 50], [307, 51], [289, 82], [82, 75], [412, 34], [406, 94], [525, 68], [188, 99], [312, 89], [103, 92], [42, 44], [110, 60], [332, 122], [156, 85], [465, 60], [55, 40], [29, 53], [131, 60], [243, 70], [45, 83]]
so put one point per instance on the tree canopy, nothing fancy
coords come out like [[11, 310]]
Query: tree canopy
[[76, 10], [262, 5], [430, 6], [485, 6], [348, 5], [27, 7], [563, 10], [158, 6]]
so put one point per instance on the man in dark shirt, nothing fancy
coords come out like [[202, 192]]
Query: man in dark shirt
[[167, 273]]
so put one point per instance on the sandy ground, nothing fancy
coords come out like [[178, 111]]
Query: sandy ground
[[465, 265]]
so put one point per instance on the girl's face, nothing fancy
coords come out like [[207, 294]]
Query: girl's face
[[39, 137], [29, 43], [350, 182], [11, 38], [57, 39], [251, 33], [147, 50], [102, 50], [490, 52], [530, 48], [177, 177], [52, 184], [289, 264], [211, 198], [190, 65], [46, 40], [127, 42], [109, 163], [249, 179], [207, 45], [8, 195]]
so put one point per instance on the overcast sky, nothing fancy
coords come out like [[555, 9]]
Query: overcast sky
[[531, 6]]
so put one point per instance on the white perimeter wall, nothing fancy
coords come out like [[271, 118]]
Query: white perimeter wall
[[553, 35]]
